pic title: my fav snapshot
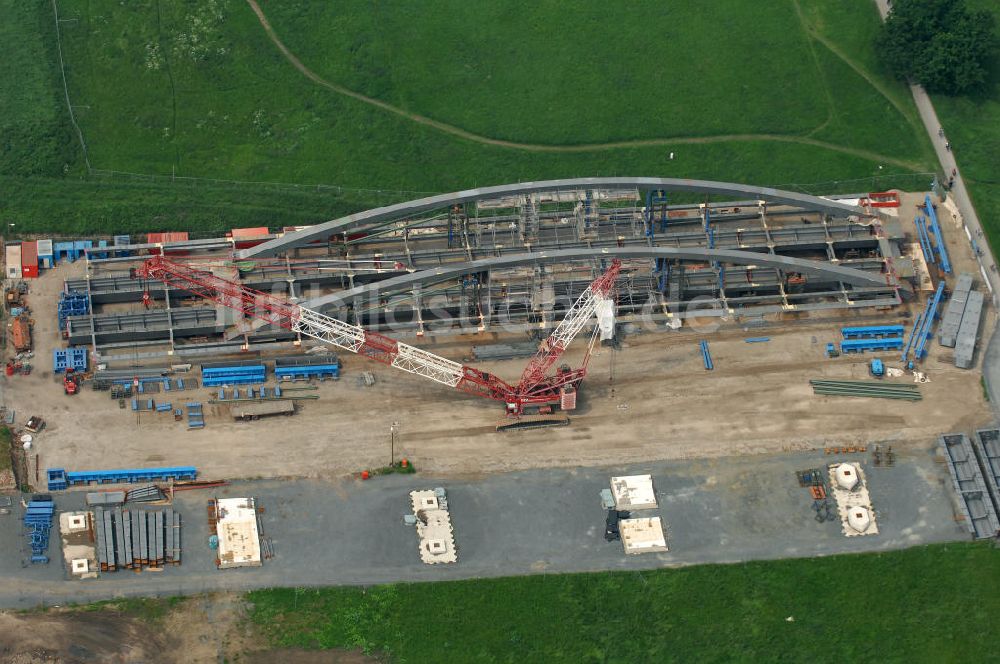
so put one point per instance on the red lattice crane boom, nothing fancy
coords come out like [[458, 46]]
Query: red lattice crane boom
[[535, 388]]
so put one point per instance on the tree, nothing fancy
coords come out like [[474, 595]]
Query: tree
[[941, 44]]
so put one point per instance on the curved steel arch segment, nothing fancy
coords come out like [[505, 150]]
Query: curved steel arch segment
[[325, 230], [815, 268]]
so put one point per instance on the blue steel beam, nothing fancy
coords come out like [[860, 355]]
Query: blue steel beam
[[706, 357], [923, 327], [920, 351], [911, 340]]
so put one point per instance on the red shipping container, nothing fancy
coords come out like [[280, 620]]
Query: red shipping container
[[245, 238], [29, 260], [155, 238]]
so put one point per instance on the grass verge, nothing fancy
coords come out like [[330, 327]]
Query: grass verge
[[6, 438], [927, 604]]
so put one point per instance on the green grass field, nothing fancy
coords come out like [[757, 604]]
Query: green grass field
[[35, 137], [782, 95], [927, 604]]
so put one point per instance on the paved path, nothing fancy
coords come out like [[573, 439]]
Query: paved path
[[960, 194]]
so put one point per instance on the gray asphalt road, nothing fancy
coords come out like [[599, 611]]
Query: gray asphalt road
[[721, 510]]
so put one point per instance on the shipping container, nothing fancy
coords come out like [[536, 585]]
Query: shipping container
[[244, 238], [46, 258], [163, 238], [13, 260], [29, 260]]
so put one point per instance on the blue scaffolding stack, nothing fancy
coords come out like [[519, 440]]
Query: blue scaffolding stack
[[60, 478], [233, 373], [304, 367], [872, 331], [101, 244], [861, 345], [71, 303], [38, 525], [123, 241], [70, 358], [143, 404], [196, 417]]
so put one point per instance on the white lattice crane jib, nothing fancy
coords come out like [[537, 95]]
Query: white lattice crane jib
[[534, 389]]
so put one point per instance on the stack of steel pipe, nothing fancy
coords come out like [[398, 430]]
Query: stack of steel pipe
[[866, 388]]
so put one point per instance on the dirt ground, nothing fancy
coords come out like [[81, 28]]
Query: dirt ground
[[206, 628], [655, 402]]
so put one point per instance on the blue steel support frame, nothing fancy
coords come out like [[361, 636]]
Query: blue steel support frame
[[647, 217], [936, 228], [653, 197], [872, 331], [861, 345], [924, 238]]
